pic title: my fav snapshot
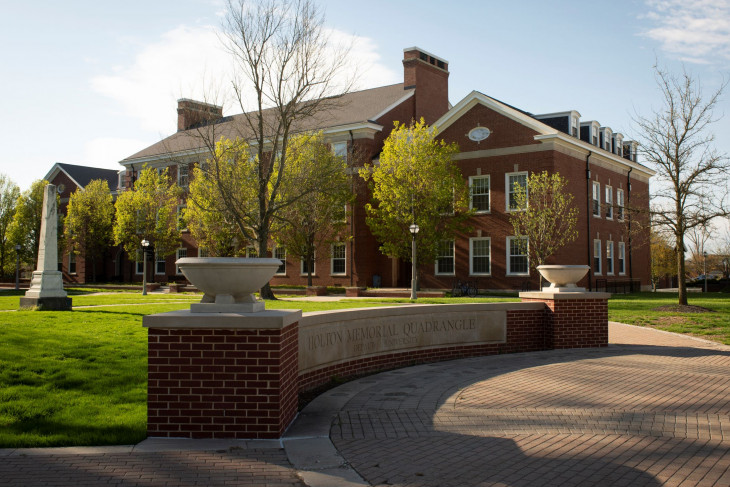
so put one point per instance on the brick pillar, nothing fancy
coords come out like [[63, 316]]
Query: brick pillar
[[573, 319], [216, 375]]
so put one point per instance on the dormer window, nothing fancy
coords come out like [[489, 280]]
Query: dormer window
[[574, 126]]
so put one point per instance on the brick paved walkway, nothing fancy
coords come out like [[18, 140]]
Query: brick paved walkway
[[631, 414], [651, 409]]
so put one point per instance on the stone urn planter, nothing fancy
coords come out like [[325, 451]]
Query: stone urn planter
[[563, 278], [228, 282]]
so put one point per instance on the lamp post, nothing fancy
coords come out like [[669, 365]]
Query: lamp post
[[705, 268], [414, 230], [145, 244], [17, 267]]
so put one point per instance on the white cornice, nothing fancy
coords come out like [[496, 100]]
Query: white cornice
[[57, 168]]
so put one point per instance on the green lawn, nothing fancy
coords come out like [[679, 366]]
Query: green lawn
[[79, 378], [639, 309]]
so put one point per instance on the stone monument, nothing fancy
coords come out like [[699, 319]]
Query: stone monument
[[46, 287]]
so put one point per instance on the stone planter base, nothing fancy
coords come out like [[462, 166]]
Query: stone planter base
[[354, 292], [175, 288], [151, 286], [46, 304]]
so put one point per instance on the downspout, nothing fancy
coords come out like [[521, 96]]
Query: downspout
[[352, 213], [589, 217], [628, 205]]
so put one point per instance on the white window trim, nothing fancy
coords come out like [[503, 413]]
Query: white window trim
[[622, 257], [508, 254], [508, 189], [276, 249], [178, 215], [314, 266], [250, 250], [597, 252], [453, 257], [596, 196], [179, 174], [608, 196], [332, 259], [340, 149], [155, 264], [471, 256], [620, 202], [203, 250], [610, 250], [72, 260], [489, 193], [138, 270], [178, 272]]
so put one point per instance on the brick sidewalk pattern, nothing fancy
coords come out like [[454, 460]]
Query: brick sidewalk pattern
[[652, 409]]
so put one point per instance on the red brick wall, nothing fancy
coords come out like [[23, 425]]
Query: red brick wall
[[221, 383], [575, 323]]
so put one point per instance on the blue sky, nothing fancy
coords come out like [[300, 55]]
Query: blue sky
[[90, 82]]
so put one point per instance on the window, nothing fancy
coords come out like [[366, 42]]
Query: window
[[338, 258], [120, 182], [620, 203], [251, 252], [574, 126], [161, 171], [72, 262], [180, 253], [622, 258], [609, 258], [182, 175], [445, 258], [340, 149], [596, 199], [203, 252], [280, 253], [518, 262], [597, 257], [181, 223], [139, 262], [305, 265], [480, 256], [159, 264], [511, 179], [609, 202], [479, 191]]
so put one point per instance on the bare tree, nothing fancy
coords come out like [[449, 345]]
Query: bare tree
[[288, 75], [699, 239], [677, 141]]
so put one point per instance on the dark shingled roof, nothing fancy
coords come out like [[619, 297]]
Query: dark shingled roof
[[83, 175], [356, 107]]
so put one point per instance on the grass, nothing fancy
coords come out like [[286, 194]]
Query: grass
[[639, 309], [79, 378]]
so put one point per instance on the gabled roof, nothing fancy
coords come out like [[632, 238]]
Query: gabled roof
[[83, 175], [359, 107], [544, 131]]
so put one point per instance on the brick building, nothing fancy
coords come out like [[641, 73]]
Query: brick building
[[68, 178], [499, 145]]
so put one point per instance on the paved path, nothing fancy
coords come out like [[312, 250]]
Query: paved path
[[651, 409]]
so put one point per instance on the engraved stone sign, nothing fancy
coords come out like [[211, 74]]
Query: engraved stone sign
[[337, 341]]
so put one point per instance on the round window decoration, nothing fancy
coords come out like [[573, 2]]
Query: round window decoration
[[477, 134], [60, 188]]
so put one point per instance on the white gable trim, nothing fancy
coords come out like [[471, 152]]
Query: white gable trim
[[475, 98], [408, 95], [55, 170]]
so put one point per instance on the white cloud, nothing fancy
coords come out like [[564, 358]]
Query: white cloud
[[190, 62], [695, 31], [106, 152]]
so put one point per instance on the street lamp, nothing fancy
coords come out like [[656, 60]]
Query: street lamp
[[145, 244], [705, 269], [17, 267], [414, 230]]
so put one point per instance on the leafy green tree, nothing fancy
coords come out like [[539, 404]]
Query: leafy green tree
[[9, 193], [89, 221], [25, 229], [148, 211], [417, 182], [317, 218], [546, 216], [663, 258]]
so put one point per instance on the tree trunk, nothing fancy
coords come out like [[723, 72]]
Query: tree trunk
[[681, 278], [265, 292]]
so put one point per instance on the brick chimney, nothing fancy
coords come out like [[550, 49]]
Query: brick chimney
[[429, 75], [191, 113]]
